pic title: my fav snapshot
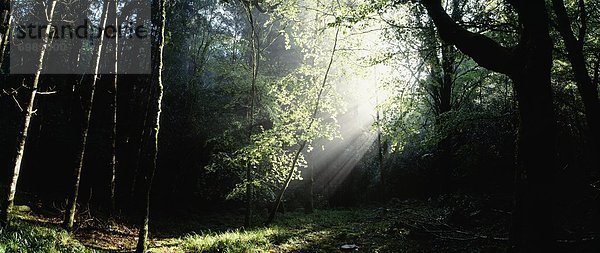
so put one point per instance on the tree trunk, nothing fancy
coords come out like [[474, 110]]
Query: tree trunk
[[69, 218], [529, 67], [448, 60], [288, 179], [255, 61], [532, 228], [380, 151], [310, 123], [9, 193], [142, 244], [588, 90], [5, 39], [113, 162], [309, 206]]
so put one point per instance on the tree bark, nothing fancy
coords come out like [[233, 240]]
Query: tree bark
[[142, 244], [9, 193], [69, 218], [529, 67]]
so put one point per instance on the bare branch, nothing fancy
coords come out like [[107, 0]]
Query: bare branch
[[47, 92]]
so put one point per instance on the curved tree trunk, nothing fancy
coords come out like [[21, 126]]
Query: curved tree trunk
[[9, 193]]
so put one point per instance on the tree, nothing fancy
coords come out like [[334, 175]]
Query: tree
[[5, 31], [114, 105], [9, 193], [69, 218], [588, 89], [311, 121], [528, 65], [444, 62], [255, 48], [157, 82]]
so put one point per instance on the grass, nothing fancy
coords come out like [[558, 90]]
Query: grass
[[259, 240], [322, 231], [22, 237], [393, 229]]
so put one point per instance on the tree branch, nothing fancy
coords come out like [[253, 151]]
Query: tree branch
[[564, 26], [485, 51]]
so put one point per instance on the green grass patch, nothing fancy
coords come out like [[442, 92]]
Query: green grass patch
[[259, 240], [323, 231], [24, 237]]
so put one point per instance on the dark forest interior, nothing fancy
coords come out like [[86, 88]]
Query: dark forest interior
[[300, 126]]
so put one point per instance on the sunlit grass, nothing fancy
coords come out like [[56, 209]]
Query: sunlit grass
[[323, 231], [22, 237], [258, 240], [373, 230]]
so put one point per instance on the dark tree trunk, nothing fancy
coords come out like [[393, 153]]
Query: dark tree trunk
[[532, 228], [309, 205], [142, 244], [532, 216], [529, 67], [446, 167]]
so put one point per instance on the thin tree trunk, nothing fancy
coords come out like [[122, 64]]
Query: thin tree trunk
[[444, 105], [5, 39], [9, 194], [142, 244], [380, 152], [69, 218], [310, 123], [255, 62], [113, 163], [309, 206]]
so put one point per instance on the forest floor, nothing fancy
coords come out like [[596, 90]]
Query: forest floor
[[400, 226]]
